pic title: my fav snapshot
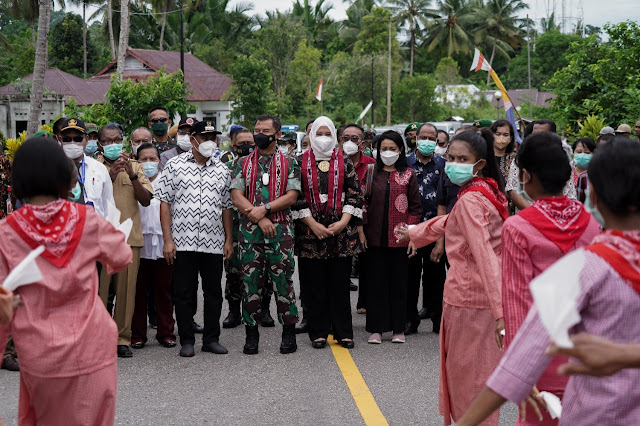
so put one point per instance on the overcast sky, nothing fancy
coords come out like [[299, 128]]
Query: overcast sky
[[596, 12]]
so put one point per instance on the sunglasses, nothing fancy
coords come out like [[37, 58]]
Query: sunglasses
[[68, 139], [159, 120], [355, 139]]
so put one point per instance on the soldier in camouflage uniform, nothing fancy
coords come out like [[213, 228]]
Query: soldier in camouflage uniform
[[242, 145], [266, 184]]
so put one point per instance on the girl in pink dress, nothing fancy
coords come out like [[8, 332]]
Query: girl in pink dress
[[470, 339], [65, 337], [536, 238]]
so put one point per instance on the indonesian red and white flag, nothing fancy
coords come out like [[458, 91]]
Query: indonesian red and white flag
[[479, 62], [319, 91]]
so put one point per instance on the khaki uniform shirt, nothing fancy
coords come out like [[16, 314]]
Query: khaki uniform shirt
[[126, 202]]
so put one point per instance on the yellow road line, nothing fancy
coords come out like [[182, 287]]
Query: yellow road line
[[362, 396]]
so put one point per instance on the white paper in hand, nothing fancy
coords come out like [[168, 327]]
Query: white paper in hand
[[26, 272], [125, 228], [553, 404], [555, 293], [113, 217]]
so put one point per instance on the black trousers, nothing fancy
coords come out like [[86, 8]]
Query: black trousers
[[187, 265], [387, 289], [327, 297], [362, 280], [432, 275]]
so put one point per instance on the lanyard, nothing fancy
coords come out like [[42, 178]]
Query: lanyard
[[81, 175]]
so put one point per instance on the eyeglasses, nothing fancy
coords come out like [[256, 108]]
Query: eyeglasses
[[159, 120], [77, 139], [105, 142], [354, 138]]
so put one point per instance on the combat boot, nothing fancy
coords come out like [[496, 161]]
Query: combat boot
[[288, 345], [234, 318], [252, 340], [266, 319]]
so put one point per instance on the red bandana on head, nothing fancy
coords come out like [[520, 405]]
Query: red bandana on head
[[489, 188], [559, 219], [621, 250], [57, 226]]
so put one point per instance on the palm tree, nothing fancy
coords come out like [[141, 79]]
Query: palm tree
[[415, 13], [499, 26], [449, 30], [39, 67], [124, 35], [315, 19], [162, 6], [351, 27], [549, 24], [84, 4]]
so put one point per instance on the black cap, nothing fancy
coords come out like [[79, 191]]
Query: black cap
[[202, 127], [187, 122], [73, 123]]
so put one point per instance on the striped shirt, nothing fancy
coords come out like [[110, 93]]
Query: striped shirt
[[609, 308]]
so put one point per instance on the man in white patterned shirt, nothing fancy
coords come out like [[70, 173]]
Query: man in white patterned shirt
[[197, 221]]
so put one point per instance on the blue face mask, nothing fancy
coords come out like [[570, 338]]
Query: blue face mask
[[112, 152], [150, 168], [92, 146], [582, 160], [426, 147], [593, 209], [459, 173], [76, 192]]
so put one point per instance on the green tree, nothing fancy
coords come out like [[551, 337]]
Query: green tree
[[374, 37], [65, 52], [447, 73], [499, 26], [414, 14], [318, 24], [601, 79], [414, 99], [351, 27], [448, 32], [251, 92], [304, 80], [549, 24]]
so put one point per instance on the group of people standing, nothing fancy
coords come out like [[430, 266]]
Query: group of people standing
[[423, 207]]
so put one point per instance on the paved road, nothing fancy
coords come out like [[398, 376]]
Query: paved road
[[156, 386]]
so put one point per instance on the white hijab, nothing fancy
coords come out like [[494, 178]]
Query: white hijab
[[323, 150]]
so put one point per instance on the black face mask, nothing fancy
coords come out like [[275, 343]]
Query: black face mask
[[411, 143], [244, 149], [264, 141]]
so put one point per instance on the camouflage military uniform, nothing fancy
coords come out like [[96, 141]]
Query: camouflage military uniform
[[233, 286], [265, 259]]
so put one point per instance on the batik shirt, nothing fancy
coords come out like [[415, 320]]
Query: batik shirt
[[250, 233], [429, 176], [512, 183], [198, 194]]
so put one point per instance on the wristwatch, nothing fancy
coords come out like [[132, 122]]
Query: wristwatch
[[268, 207], [134, 177]]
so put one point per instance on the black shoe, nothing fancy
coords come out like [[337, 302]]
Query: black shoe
[[187, 350], [302, 327], [252, 340], [436, 327], [319, 344], [234, 318], [423, 314], [9, 362], [348, 344], [197, 328], [288, 345], [168, 343], [411, 328], [138, 345], [215, 347], [352, 286], [267, 320], [124, 351]]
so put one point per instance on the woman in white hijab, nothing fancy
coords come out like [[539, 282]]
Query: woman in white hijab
[[328, 210]]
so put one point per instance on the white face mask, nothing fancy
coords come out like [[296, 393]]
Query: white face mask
[[350, 148], [184, 142], [441, 150], [134, 148], [283, 149], [374, 153], [322, 145], [389, 157], [207, 148], [73, 150]]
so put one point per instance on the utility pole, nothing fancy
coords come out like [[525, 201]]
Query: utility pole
[[372, 102], [389, 80], [529, 64], [182, 39]]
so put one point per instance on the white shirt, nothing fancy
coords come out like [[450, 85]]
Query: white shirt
[[513, 183], [198, 195], [151, 228], [98, 189]]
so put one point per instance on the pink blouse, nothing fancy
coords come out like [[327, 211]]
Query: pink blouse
[[527, 253], [472, 241], [63, 328]]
